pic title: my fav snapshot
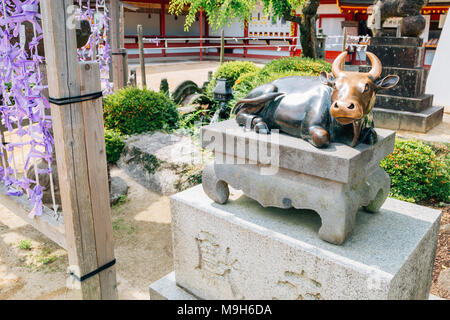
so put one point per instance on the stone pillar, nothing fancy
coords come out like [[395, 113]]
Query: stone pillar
[[406, 106]]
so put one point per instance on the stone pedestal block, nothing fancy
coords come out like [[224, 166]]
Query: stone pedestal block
[[412, 81], [411, 121], [396, 41], [400, 103], [244, 251], [406, 106], [398, 56], [282, 171]]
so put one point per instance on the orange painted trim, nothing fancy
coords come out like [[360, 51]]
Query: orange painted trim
[[363, 8]]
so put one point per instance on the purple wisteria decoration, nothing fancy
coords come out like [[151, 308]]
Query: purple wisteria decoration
[[97, 49], [23, 106]]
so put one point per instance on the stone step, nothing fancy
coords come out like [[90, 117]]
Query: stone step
[[399, 56], [412, 80], [404, 103], [166, 288], [393, 41], [412, 121]]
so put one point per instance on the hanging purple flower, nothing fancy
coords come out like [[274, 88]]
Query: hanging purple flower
[[21, 86]]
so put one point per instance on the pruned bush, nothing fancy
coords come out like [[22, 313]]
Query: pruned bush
[[234, 69], [416, 173], [231, 71], [132, 110], [305, 66], [114, 145]]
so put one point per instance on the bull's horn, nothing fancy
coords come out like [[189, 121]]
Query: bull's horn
[[375, 73], [337, 64]]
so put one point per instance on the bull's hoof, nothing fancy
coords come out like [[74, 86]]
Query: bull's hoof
[[217, 190], [319, 137], [261, 127]]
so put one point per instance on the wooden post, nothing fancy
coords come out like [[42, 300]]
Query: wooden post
[[80, 154], [222, 46], [122, 26], [162, 24], [344, 43], [201, 34], [142, 56], [117, 53]]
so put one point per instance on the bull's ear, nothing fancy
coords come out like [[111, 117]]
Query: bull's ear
[[326, 78], [388, 82]]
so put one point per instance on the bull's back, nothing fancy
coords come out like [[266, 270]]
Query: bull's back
[[306, 104], [296, 84]]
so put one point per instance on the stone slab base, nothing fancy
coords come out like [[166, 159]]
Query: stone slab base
[[411, 121], [242, 250], [166, 289], [396, 41], [412, 80], [398, 56], [418, 104]]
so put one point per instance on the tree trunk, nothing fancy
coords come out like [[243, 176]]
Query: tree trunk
[[307, 26], [308, 36]]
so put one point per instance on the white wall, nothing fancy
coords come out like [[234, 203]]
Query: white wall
[[328, 9], [235, 29], [150, 25], [438, 83], [176, 27], [426, 32], [332, 28]]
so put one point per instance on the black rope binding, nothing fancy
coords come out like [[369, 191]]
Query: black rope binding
[[93, 273], [70, 100]]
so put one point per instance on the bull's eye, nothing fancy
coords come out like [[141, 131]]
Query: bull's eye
[[367, 87]]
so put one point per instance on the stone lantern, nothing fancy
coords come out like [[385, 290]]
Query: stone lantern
[[320, 45], [223, 93]]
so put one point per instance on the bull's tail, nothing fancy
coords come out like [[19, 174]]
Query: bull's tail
[[255, 105]]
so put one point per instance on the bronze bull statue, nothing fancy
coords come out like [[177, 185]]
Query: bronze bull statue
[[320, 110]]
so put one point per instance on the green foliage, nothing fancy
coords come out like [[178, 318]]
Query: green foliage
[[25, 245], [149, 161], [223, 12], [306, 66], [132, 110], [114, 145], [416, 173], [231, 71]]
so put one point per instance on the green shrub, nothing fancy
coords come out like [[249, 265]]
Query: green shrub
[[306, 66], [234, 69], [416, 173], [231, 71], [132, 110], [114, 145]]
